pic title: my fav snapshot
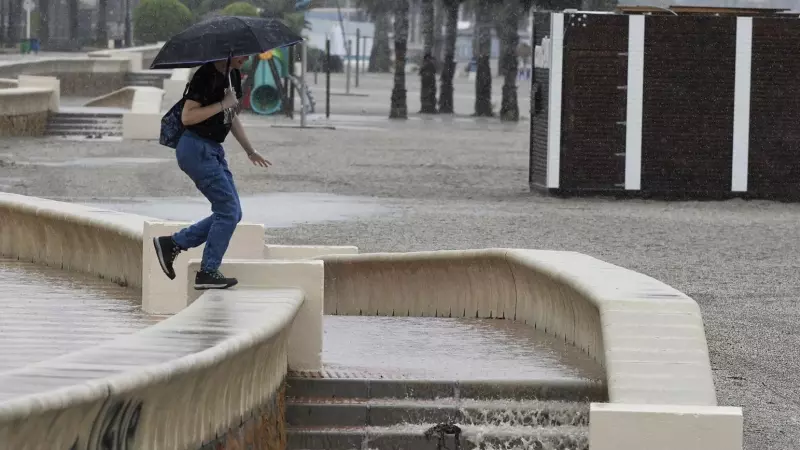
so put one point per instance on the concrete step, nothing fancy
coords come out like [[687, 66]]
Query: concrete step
[[86, 134], [349, 386], [154, 79], [387, 412], [85, 124], [426, 437], [73, 117], [84, 129]]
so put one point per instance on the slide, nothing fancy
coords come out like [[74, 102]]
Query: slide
[[263, 88], [265, 95]]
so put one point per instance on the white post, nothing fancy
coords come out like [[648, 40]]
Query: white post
[[347, 76], [741, 103], [28, 6], [303, 87]]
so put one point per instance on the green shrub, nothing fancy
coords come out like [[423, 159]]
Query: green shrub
[[317, 61], [159, 20], [240, 9]]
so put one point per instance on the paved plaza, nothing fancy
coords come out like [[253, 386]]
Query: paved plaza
[[456, 184]]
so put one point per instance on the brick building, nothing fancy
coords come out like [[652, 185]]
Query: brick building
[[696, 102]]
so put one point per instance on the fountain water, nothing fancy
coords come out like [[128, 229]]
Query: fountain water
[[429, 383]]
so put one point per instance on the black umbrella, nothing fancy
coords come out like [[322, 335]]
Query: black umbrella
[[221, 37]]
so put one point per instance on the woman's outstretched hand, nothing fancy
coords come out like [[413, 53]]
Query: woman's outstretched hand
[[258, 160]]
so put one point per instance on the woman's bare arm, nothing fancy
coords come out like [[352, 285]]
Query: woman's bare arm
[[193, 113], [238, 132]]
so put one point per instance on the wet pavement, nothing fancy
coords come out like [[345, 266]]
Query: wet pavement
[[276, 210], [448, 349], [47, 312]]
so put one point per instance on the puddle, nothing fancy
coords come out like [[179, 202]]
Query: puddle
[[99, 161], [278, 210], [455, 349], [8, 182], [47, 312]]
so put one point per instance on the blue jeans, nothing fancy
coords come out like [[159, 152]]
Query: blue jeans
[[204, 161]]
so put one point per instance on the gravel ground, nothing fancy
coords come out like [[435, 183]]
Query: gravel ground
[[464, 185]]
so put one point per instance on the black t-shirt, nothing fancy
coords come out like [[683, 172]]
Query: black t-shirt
[[208, 86]]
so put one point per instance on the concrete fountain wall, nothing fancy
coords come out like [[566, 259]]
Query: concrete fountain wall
[[25, 104], [31, 90], [649, 337], [224, 390]]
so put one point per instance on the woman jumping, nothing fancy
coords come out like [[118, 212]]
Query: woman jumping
[[209, 114]]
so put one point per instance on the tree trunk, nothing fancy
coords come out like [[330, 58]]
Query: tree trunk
[[8, 31], [3, 15], [427, 92], [380, 56], [14, 20], [500, 30], [449, 66], [102, 23], [74, 11], [44, 22], [483, 74], [399, 106], [438, 42], [509, 108]]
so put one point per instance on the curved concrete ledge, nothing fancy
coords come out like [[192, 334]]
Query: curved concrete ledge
[[24, 108], [113, 245], [649, 337], [78, 76], [121, 98], [305, 336], [74, 237], [177, 384], [141, 56], [144, 119]]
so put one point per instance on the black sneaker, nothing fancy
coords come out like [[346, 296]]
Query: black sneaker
[[213, 280], [166, 250]]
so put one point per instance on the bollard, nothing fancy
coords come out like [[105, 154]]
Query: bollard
[[327, 78], [358, 52]]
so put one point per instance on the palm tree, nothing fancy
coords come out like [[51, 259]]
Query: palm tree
[[44, 20], [74, 10], [483, 74], [13, 12], [438, 23], [512, 13], [399, 106], [427, 93], [285, 11], [380, 57], [449, 63], [102, 22]]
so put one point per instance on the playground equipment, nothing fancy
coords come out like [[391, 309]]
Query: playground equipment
[[264, 92]]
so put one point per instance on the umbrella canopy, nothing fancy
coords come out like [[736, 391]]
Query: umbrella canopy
[[221, 37]]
